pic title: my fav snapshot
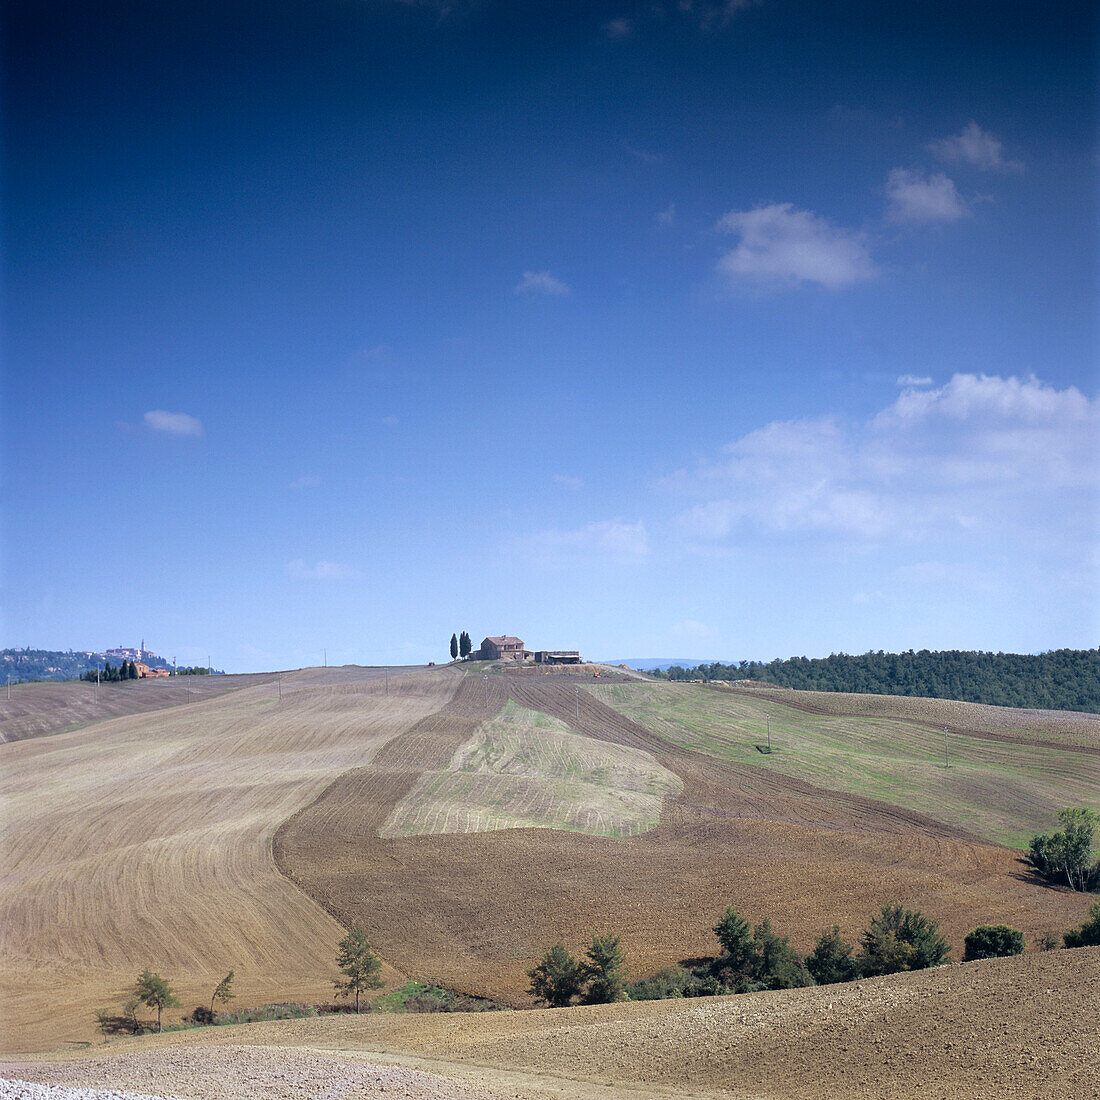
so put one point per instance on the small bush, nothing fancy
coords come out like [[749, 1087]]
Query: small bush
[[1088, 935], [900, 939], [557, 978], [267, 1012], [1047, 941], [992, 941], [672, 981], [202, 1016], [831, 959]]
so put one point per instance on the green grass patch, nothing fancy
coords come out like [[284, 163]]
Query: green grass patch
[[1001, 791], [526, 769]]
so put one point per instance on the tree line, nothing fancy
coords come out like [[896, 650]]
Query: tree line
[[461, 646], [1062, 679], [753, 959]]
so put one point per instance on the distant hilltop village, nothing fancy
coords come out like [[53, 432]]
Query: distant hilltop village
[[17, 665]]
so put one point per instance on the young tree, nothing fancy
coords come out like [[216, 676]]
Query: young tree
[[604, 970], [359, 965], [1088, 935], [992, 941], [1066, 855], [900, 939], [224, 992], [454, 647], [558, 977], [736, 940], [154, 991], [465, 645], [831, 959]]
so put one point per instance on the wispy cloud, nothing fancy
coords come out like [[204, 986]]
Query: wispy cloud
[[607, 541], [713, 14], [913, 380], [977, 148], [306, 481], [982, 457], [618, 28], [784, 246], [299, 570], [542, 282], [668, 215], [173, 423], [569, 481], [914, 198]]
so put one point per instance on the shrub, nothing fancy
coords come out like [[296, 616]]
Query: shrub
[[672, 981], [992, 941], [557, 978], [290, 1011], [736, 942], [1088, 935], [900, 939], [831, 959], [202, 1016], [604, 970], [776, 965], [1065, 856]]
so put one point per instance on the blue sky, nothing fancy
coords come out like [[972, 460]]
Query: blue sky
[[743, 329]]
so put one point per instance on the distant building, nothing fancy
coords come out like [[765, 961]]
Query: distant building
[[557, 657], [502, 648]]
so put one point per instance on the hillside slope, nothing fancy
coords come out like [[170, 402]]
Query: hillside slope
[[1022, 1027]]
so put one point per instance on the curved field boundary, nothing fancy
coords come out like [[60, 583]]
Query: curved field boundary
[[524, 769], [40, 709], [716, 788], [146, 841], [1004, 792], [1077, 730]]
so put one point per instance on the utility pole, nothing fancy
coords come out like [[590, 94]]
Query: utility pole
[[485, 684]]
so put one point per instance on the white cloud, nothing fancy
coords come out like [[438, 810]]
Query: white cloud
[[915, 199], [618, 28], [668, 215], [913, 380], [389, 421], [321, 571], [982, 457], [569, 481], [541, 282], [173, 423], [306, 481], [781, 245], [713, 14], [977, 148], [607, 541]]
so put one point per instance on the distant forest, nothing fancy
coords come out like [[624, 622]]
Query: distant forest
[[1063, 679]]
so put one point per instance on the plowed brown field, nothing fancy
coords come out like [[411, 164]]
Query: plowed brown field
[[475, 911], [1022, 1028], [146, 841]]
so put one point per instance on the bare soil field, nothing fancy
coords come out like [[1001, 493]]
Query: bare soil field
[[1003, 1028], [475, 911], [58, 706], [146, 841]]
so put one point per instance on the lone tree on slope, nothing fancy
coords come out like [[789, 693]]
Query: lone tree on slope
[[154, 991], [359, 965], [454, 647]]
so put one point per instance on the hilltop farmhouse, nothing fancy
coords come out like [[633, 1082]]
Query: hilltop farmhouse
[[506, 648]]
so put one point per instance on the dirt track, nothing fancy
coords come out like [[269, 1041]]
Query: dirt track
[[1004, 1028]]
